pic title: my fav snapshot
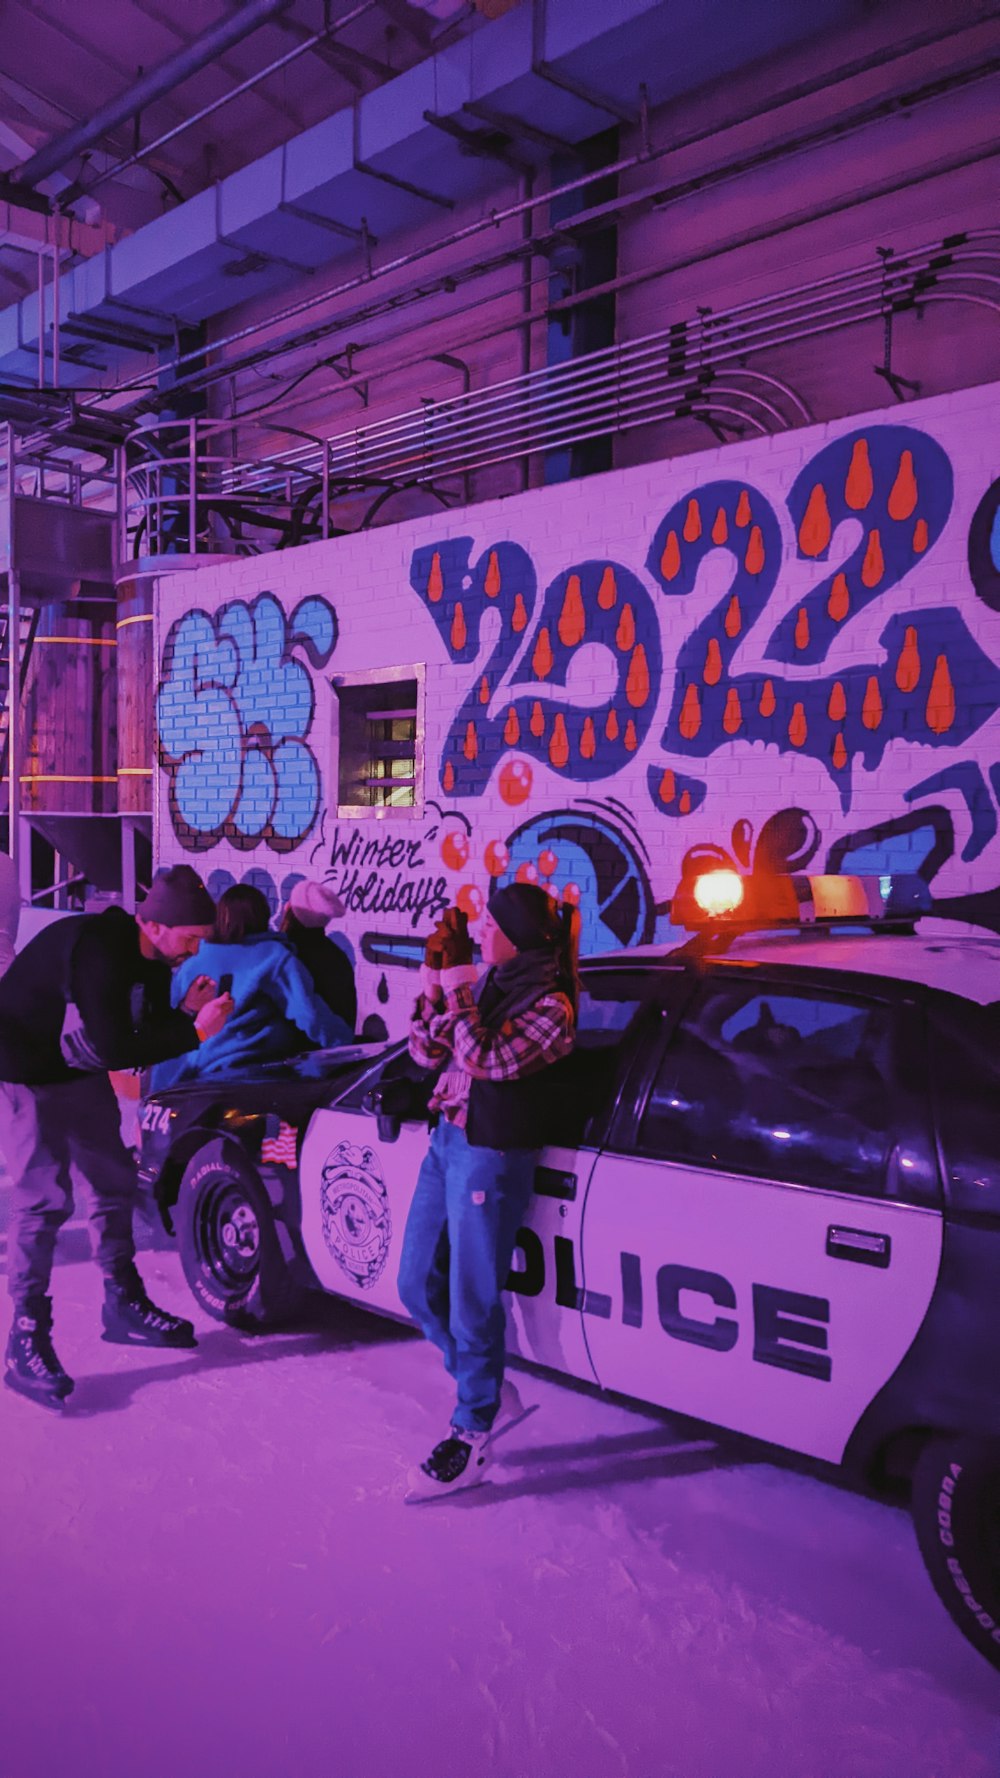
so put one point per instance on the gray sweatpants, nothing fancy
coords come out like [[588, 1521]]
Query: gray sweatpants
[[52, 1137]]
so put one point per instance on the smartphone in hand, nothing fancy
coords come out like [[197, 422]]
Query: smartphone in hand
[[226, 983]]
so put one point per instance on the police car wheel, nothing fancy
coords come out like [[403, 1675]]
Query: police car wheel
[[956, 1510], [229, 1244]]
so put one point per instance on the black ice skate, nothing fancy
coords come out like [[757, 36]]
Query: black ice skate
[[30, 1363], [130, 1319]]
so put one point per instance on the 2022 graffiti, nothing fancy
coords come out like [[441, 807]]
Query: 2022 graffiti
[[894, 482]]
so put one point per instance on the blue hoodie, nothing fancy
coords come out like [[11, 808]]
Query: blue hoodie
[[276, 1011]]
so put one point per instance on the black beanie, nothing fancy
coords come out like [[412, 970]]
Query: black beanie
[[178, 897], [526, 915]]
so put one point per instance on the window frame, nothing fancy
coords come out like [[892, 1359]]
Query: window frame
[[910, 1103], [415, 673]]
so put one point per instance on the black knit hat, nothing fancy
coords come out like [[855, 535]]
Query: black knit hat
[[527, 915], [178, 897]]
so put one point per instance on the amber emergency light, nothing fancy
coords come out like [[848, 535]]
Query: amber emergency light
[[722, 900]]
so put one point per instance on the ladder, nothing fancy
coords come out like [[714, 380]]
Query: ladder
[[28, 622]]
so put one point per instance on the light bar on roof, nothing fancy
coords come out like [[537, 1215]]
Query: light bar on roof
[[721, 899]]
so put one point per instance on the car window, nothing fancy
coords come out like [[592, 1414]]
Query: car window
[[582, 1085], [793, 1086], [965, 1055]]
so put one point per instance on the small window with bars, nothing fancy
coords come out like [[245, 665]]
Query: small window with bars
[[379, 763]]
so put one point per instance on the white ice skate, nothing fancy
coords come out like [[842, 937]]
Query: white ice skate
[[462, 1459]]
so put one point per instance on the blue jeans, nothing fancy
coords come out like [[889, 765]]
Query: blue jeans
[[467, 1208]]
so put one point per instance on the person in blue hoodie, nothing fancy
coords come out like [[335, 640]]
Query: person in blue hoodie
[[276, 1010]]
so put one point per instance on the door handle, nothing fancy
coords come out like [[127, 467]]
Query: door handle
[[864, 1246]]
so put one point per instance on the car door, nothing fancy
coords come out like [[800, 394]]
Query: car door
[[357, 1186], [765, 1221], [549, 1301]]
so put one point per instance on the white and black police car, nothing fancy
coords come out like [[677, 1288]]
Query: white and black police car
[[771, 1200]]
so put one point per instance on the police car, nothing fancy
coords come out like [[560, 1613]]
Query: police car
[[771, 1200]]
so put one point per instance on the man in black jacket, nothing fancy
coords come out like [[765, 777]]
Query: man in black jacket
[[88, 994]]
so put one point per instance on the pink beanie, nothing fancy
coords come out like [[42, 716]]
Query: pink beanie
[[315, 904]]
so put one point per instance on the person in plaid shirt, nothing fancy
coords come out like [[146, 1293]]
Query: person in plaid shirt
[[489, 1043]]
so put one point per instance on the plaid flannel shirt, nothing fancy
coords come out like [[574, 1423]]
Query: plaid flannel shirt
[[451, 1036]]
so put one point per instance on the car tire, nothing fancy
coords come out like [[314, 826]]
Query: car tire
[[229, 1245], [956, 1510]]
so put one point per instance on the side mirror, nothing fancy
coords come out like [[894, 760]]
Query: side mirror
[[389, 1122]]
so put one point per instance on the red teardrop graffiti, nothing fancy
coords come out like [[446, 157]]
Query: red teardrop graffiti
[[734, 617], [692, 522], [839, 602], [588, 739], [572, 619], [712, 670], [512, 728], [720, 529], [802, 628], [471, 744], [685, 803], [836, 708], [873, 566], [908, 664], [839, 752], [733, 714], [435, 579], [797, 729], [941, 698], [753, 561], [537, 720], [871, 709], [491, 584], [920, 536], [903, 494], [637, 683], [631, 738], [541, 660], [815, 529], [519, 615], [611, 726], [768, 702], [458, 630], [689, 721], [559, 744], [625, 633], [607, 592], [484, 690], [670, 561], [743, 510], [859, 485], [668, 787]]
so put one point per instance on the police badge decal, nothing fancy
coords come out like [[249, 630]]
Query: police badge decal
[[354, 1204]]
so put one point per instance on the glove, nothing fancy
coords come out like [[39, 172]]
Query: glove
[[433, 948], [456, 945]]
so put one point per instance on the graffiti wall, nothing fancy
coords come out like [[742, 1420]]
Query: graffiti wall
[[785, 653]]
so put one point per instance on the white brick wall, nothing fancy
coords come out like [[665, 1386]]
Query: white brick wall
[[227, 699]]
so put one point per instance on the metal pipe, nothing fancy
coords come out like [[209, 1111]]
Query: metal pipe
[[55, 314], [235, 92], [41, 319], [197, 54], [630, 200]]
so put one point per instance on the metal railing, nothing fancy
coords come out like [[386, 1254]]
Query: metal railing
[[185, 490]]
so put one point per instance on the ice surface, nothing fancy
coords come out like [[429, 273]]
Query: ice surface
[[208, 1572]]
